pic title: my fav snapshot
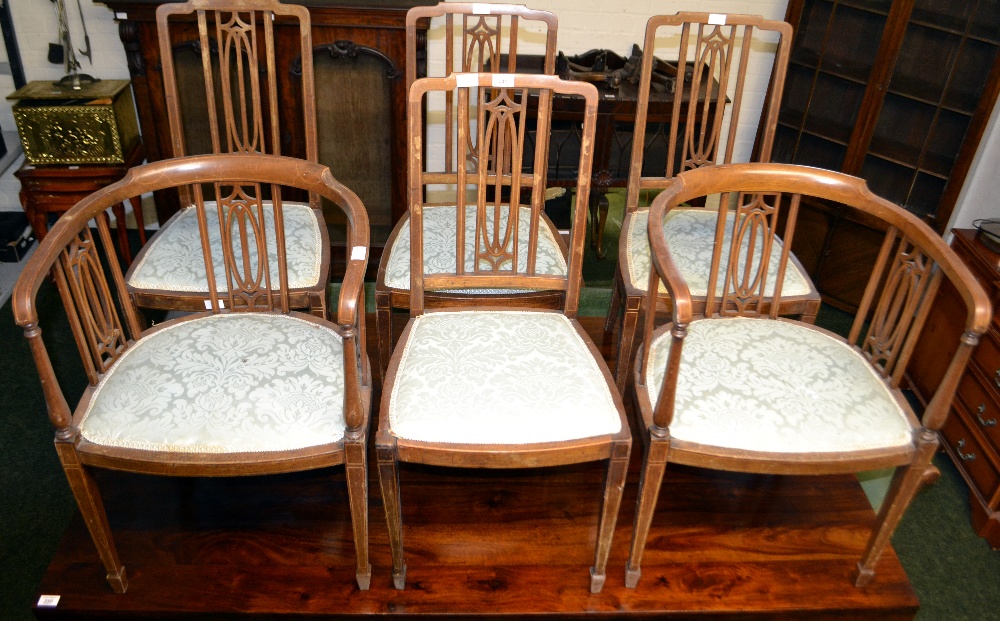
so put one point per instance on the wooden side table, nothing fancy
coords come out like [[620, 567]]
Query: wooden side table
[[55, 188]]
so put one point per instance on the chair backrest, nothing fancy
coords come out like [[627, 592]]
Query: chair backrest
[[900, 290], [237, 101], [492, 249], [486, 36], [713, 65], [101, 313]]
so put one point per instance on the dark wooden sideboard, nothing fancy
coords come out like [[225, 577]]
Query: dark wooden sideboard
[[972, 433], [359, 65]]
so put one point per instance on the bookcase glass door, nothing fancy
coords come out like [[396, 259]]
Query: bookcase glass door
[[944, 62], [827, 77]]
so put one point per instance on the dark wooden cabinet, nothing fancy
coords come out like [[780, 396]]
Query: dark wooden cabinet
[[359, 65], [896, 92], [972, 433]]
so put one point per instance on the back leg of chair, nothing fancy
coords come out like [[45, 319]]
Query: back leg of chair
[[811, 312], [906, 482], [388, 475], [614, 308], [357, 493], [88, 499], [654, 464], [383, 328], [614, 483], [626, 340]]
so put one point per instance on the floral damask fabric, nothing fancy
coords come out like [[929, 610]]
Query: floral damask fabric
[[766, 385], [173, 261], [224, 384], [440, 240], [691, 236], [504, 377]]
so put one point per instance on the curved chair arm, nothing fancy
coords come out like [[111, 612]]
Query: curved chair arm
[[188, 171]]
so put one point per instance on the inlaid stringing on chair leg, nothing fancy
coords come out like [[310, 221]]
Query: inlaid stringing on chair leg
[[654, 464], [88, 498], [388, 474], [383, 328], [357, 492], [906, 482], [614, 483]]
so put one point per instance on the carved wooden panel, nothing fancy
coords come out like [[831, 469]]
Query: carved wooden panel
[[90, 303]]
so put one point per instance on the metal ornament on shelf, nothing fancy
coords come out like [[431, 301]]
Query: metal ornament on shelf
[[73, 79]]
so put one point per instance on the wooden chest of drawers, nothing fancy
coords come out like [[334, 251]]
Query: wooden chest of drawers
[[972, 434]]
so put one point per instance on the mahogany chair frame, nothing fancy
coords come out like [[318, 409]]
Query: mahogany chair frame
[[106, 324], [712, 49], [898, 297], [391, 449], [236, 39], [481, 36]]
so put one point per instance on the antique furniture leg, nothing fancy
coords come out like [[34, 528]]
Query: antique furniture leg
[[598, 218], [383, 327], [626, 340], [357, 492], [906, 482], [88, 498], [388, 474], [614, 308], [654, 464], [614, 483]]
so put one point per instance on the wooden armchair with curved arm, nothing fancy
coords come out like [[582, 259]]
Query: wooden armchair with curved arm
[[247, 387], [741, 389]]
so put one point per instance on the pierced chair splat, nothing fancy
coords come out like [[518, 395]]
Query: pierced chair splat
[[222, 91], [741, 389], [718, 57], [476, 36], [248, 387], [479, 385]]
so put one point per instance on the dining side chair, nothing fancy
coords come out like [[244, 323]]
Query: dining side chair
[[739, 388], [482, 385], [486, 37], [248, 387], [715, 65], [224, 94]]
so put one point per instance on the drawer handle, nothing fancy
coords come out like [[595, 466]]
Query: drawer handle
[[996, 378], [979, 414], [961, 455]]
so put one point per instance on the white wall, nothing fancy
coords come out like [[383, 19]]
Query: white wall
[[980, 197]]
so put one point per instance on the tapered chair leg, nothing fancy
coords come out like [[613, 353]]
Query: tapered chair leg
[[654, 464], [383, 328], [614, 483], [626, 341], [357, 492], [388, 475], [906, 482], [614, 309], [88, 499]]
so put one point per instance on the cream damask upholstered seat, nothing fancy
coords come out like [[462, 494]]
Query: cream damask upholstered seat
[[248, 386], [236, 383], [745, 390], [499, 377], [775, 386], [478, 38], [691, 235], [172, 261], [474, 383], [440, 238], [725, 55]]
